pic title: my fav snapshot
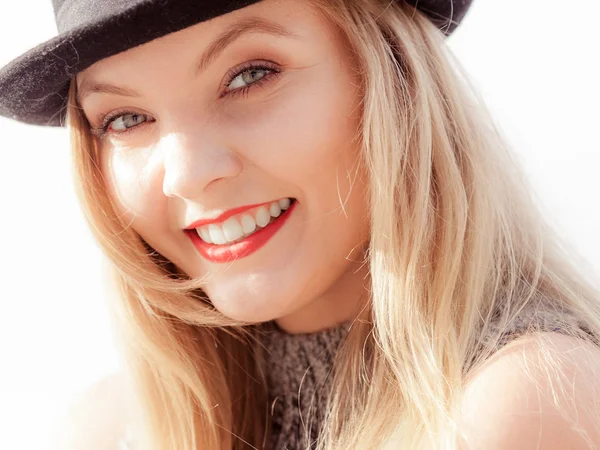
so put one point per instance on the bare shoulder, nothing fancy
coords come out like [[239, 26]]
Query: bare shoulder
[[538, 392], [97, 417]]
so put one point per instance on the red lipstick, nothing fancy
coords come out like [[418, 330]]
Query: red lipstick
[[230, 252], [224, 216]]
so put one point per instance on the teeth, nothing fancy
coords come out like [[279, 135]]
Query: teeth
[[275, 209], [216, 234], [205, 235], [232, 229], [236, 228], [262, 217], [248, 224], [284, 203]]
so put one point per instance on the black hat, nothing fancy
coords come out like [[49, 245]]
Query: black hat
[[34, 86]]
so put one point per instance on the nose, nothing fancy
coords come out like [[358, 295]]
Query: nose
[[193, 160]]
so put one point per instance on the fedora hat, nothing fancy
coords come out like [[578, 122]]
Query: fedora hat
[[34, 86]]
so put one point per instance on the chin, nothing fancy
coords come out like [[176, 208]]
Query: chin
[[248, 315], [254, 307]]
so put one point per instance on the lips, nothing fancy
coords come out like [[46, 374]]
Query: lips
[[240, 226], [222, 217], [227, 252]]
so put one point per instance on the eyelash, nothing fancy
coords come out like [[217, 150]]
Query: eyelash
[[270, 68]]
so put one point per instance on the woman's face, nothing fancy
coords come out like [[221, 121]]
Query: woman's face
[[221, 122]]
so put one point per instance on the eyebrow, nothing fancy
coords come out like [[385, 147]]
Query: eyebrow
[[230, 35]]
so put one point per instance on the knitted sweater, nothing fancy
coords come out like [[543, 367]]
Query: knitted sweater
[[303, 362]]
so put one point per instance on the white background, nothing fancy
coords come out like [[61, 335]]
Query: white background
[[537, 63]]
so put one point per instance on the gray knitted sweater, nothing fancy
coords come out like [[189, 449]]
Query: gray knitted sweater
[[303, 362]]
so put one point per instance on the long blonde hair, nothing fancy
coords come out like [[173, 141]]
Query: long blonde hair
[[457, 250]]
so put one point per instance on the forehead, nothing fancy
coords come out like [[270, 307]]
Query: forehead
[[280, 18]]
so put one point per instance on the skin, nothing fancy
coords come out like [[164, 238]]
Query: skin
[[194, 152], [201, 154]]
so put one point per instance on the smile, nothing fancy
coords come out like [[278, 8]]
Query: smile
[[242, 234]]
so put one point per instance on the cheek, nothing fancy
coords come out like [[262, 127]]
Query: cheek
[[309, 143], [134, 189], [305, 128]]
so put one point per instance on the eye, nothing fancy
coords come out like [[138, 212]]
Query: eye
[[247, 77], [121, 122], [253, 74], [239, 81]]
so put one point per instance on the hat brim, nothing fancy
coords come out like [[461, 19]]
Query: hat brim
[[34, 87]]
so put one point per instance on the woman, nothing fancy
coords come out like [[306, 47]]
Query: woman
[[317, 237]]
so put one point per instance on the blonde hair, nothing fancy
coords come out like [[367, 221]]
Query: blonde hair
[[457, 250]]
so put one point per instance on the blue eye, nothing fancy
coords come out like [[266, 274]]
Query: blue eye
[[122, 119], [253, 74], [248, 77], [122, 122]]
